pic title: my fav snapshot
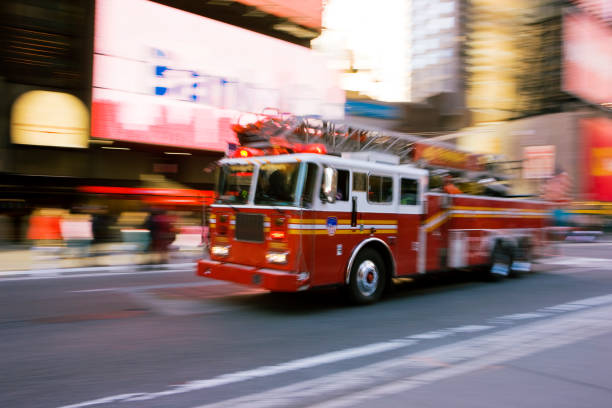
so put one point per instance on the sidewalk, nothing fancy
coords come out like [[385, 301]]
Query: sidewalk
[[102, 257]]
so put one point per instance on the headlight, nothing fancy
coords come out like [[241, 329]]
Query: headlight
[[218, 250], [277, 257]]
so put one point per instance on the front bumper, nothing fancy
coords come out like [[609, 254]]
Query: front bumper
[[271, 279]]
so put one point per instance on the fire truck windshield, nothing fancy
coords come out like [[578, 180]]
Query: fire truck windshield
[[276, 184], [234, 183]]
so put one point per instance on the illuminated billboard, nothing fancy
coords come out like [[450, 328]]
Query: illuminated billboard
[[164, 76], [45, 118], [597, 139], [587, 70]]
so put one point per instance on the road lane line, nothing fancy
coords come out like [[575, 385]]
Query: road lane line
[[341, 355], [577, 261], [265, 371], [346, 389]]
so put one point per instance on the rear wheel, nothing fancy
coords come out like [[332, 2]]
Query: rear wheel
[[501, 262], [368, 277]]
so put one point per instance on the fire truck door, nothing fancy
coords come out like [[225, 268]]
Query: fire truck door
[[409, 218], [326, 230], [434, 232]]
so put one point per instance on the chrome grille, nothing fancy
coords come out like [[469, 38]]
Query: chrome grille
[[249, 227]]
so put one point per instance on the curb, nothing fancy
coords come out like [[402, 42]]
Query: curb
[[98, 269]]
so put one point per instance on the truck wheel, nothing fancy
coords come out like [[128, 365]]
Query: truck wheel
[[523, 257], [368, 277], [501, 261]]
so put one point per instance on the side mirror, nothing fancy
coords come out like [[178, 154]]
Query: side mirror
[[329, 186]]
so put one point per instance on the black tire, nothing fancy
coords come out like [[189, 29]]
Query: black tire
[[524, 253], [368, 277], [501, 256]]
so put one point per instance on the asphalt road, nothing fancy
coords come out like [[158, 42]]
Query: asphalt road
[[170, 339]]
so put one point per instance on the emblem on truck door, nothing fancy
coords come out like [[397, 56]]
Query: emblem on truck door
[[332, 224]]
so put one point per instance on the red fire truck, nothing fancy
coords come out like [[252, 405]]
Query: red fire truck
[[292, 222]]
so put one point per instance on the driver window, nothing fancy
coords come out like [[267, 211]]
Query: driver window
[[342, 190], [343, 186]]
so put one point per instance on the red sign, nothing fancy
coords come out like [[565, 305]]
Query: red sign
[[304, 12], [587, 71], [597, 170]]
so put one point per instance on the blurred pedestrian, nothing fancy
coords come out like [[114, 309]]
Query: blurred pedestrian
[[44, 227], [101, 223], [45, 234], [161, 227], [77, 233]]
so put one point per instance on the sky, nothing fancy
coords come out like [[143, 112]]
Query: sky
[[375, 36]]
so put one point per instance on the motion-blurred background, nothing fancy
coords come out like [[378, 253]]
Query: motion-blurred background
[[114, 112]]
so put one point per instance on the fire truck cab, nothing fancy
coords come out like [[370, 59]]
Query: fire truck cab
[[298, 221]]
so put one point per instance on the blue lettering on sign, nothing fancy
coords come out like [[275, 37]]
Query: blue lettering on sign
[[193, 86], [332, 225]]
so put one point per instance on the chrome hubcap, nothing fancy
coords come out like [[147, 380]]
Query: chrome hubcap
[[367, 278]]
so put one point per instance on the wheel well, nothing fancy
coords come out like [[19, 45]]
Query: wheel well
[[505, 243], [383, 250]]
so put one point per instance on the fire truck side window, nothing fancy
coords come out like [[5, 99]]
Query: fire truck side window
[[380, 189], [342, 186], [409, 191], [342, 193]]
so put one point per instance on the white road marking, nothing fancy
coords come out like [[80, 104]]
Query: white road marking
[[578, 261], [471, 328], [579, 244], [521, 316], [571, 271], [438, 334], [551, 322], [265, 371], [375, 381]]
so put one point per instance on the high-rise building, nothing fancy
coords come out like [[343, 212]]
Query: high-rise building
[[436, 62], [513, 58]]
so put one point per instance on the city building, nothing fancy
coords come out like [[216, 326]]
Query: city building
[[513, 58], [133, 93], [436, 41], [539, 87]]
